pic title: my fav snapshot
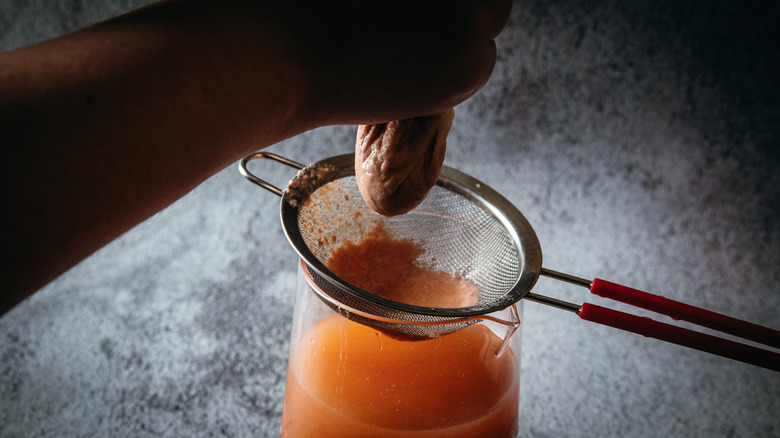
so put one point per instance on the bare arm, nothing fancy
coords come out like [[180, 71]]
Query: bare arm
[[106, 126]]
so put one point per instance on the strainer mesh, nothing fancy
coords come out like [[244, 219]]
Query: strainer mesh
[[459, 235]]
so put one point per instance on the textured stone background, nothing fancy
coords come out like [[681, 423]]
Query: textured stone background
[[639, 138]]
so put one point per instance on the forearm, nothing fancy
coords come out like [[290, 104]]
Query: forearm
[[104, 127]]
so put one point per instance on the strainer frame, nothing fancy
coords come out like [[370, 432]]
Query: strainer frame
[[522, 234], [515, 224]]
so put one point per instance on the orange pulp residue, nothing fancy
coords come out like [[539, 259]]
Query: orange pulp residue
[[385, 266]]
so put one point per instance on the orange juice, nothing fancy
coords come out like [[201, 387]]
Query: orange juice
[[349, 380], [346, 380]]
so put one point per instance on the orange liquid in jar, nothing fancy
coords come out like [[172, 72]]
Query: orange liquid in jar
[[349, 380]]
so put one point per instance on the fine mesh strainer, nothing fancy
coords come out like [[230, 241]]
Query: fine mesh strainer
[[468, 229]]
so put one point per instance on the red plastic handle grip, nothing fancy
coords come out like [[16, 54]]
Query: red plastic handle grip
[[680, 336], [685, 312]]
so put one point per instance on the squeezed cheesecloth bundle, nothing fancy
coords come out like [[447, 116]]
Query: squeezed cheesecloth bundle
[[397, 163]]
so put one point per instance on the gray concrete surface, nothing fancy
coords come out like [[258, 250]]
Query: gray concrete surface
[[639, 138]]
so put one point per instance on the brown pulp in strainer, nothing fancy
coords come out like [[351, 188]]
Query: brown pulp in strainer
[[387, 267]]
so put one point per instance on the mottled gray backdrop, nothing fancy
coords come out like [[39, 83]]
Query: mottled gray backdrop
[[639, 138]]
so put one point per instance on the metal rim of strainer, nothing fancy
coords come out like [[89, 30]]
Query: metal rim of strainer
[[515, 224]]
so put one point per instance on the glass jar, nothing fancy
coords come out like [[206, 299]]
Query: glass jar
[[346, 379]]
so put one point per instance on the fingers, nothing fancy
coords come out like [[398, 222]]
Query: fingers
[[498, 11], [373, 62], [482, 21]]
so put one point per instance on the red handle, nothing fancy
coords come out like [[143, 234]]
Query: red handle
[[678, 310], [680, 336]]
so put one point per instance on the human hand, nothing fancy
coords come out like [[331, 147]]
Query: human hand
[[371, 62], [343, 62]]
